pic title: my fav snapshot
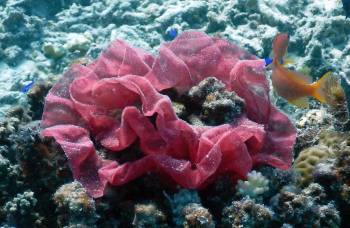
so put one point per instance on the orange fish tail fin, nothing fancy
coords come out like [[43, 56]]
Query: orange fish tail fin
[[280, 46], [320, 87]]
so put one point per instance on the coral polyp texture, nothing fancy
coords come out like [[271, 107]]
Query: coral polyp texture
[[119, 100], [308, 159]]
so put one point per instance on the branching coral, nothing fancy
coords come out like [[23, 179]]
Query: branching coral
[[116, 100], [21, 211], [254, 187]]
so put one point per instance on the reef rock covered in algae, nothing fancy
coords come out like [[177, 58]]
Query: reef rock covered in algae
[[41, 39]]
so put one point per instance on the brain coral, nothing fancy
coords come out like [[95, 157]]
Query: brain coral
[[333, 138], [308, 159], [110, 101]]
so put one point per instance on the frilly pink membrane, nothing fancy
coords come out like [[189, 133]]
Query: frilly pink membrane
[[110, 101]]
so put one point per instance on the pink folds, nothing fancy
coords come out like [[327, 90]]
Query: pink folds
[[111, 100]]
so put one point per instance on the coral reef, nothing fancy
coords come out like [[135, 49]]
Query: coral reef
[[197, 216], [338, 106], [74, 206], [19, 28], [29, 167], [147, 215], [8, 126], [36, 99], [345, 83], [254, 187], [312, 127], [39, 159], [20, 211], [213, 104], [40, 40], [145, 24], [332, 174], [308, 158], [331, 144], [307, 209], [10, 178], [178, 203], [247, 213], [325, 174], [278, 179], [313, 117], [13, 55], [331, 138], [342, 164]]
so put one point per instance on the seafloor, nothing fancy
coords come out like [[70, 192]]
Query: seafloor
[[41, 39]]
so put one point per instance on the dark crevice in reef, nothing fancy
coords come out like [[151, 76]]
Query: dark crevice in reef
[[36, 99], [38, 167], [122, 202], [129, 154], [207, 103]]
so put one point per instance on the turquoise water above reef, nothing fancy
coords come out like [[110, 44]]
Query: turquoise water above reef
[[198, 147]]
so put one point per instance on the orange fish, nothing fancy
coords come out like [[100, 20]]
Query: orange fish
[[291, 85]]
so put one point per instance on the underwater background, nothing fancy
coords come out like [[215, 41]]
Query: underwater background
[[41, 40]]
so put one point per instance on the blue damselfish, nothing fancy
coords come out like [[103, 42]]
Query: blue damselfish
[[27, 87]]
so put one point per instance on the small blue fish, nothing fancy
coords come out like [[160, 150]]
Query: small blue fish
[[172, 33], [27, 87], [268, 61]]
